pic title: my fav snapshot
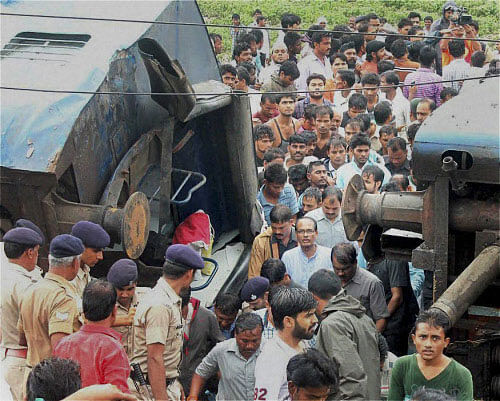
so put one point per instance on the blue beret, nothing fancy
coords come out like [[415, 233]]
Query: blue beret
[[254, 288], [91, 234], [23, 236], [184, 256], [29, 224], [65, 245], [122, 273]]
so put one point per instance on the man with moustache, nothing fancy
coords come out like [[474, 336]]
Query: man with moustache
[[94, 239], [330, 226], [284, 125], [297, 152], [302, 261], [360, 147], [294, 318], [316, 86], [273, 242], [323, 123], [317, 62], [235, 359]]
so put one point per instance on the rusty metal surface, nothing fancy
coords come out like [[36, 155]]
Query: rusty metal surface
[[135, 225], [483, 270], [473, 215], [389, 209]]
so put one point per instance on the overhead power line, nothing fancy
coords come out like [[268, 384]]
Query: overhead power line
[[139, 21], [14, 88]]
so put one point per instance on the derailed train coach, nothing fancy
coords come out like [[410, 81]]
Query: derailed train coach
[[104, 149], [450, 227]]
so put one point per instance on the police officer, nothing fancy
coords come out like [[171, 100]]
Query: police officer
[[123, 276], [27, 224], [94, 239], [158, 323], [21, 247], [49, 308]]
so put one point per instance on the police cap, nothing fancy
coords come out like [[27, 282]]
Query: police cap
[[66, 245], [91, 234], [184, 256]]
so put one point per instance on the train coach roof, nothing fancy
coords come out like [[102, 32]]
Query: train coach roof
[[75, 55]]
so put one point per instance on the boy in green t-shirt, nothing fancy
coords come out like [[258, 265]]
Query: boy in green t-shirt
[[429, 367]]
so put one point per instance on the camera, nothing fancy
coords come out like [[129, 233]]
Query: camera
[[461, 17]]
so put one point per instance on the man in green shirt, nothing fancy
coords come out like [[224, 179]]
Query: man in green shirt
[[429, 367]]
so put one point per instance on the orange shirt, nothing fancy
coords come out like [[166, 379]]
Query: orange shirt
[[369, 66], [404, 67], [446, 56]]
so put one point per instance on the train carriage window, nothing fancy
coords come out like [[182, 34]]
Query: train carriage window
[[59, 47]]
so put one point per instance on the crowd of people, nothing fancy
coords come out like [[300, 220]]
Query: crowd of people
[[315, 319]]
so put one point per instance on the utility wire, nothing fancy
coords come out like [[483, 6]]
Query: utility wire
[[13, 88], [138, 21]]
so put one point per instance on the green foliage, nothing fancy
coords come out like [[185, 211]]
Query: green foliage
[[486, 12]]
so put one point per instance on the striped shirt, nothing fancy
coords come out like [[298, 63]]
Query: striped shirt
[[432, 90]]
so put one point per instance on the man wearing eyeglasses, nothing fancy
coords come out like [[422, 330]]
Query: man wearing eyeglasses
[[301, 262]]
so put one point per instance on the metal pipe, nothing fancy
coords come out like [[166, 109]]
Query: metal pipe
[[482, 271], [472, 215], [401, 210], [405, 211]]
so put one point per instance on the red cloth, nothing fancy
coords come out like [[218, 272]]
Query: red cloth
[[100, 354], [195, 227]]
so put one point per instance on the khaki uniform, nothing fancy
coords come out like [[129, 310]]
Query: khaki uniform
[[15, 281], [158, 320], [48, 307], [81, 280], [127, 332]]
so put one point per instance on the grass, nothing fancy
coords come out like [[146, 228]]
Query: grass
[[486, 12]]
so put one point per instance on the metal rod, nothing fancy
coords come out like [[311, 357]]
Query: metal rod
[[482, 271]]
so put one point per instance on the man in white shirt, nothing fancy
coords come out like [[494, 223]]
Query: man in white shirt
[[394, 95], [279, 54], [317, 62], [344, 79], [360, 147], [294, 318], [458, 68], [302, 261]]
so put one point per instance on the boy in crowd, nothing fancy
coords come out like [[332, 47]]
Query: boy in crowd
[[429, 367], [337, 149]]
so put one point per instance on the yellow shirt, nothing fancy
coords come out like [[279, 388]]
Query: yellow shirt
[[158, 320], [49, 307]]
